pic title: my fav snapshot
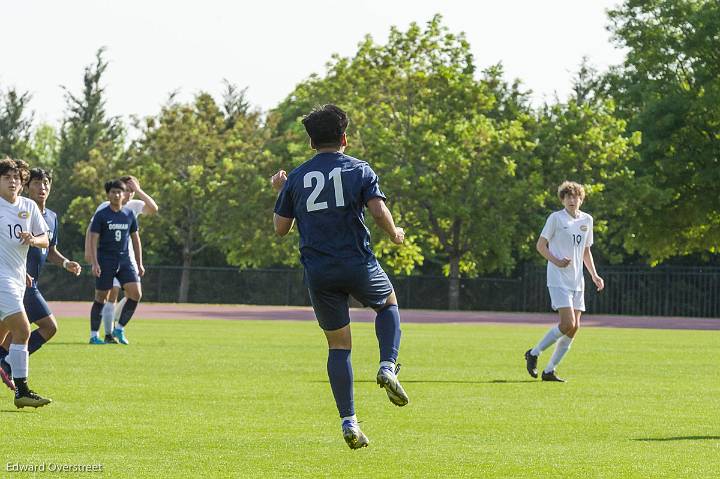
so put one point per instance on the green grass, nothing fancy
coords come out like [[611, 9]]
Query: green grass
[[251, 399]]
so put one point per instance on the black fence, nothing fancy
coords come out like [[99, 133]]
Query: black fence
[[662, 291]]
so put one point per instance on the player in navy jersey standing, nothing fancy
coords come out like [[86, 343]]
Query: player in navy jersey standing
[[143, 204], [111, 230], [38, 312], [326, 196]]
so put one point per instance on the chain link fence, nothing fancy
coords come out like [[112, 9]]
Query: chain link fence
[[662, 291]]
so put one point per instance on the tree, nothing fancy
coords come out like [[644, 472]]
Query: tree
[[45, 146], [583, 140], [200, 160], [91, 151], [15, 125], [446, 144], [669, 89]]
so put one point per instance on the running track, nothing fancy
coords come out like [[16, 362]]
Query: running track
[[297, 313]]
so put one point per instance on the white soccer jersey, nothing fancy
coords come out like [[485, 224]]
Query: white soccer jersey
[[567, 238], [15, 218], [136, 206]]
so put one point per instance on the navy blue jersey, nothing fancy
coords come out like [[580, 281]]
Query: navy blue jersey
[[36, 257], [115, 228], [326, 195]]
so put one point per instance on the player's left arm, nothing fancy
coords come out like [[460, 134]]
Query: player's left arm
[[590, 265], [56, 258], [282, 224], [151, 206], [137, 248], [37, 236]]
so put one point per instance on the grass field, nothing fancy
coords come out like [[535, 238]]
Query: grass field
[[251, 399]]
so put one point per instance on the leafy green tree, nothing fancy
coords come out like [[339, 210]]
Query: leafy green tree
[[445, 143], [15, 124], [45, 145], [669, 89], [583, 140], [202, 160], [91, 151]]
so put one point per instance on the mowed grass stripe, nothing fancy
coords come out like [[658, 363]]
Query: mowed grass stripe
[[251, 398]]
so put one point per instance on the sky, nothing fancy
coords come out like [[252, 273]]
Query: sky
[[158, 47]]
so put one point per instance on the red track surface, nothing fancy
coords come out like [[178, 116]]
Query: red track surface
[[243, 312]]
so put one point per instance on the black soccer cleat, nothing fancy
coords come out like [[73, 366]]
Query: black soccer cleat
[[31, 399], [552, 377], [531, 363], [109, 339]]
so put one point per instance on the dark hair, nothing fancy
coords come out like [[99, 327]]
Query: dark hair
[[8, 164], [119, 184], [325, 126], [39, 174]]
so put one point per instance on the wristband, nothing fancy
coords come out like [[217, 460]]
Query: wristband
[[65, 263]]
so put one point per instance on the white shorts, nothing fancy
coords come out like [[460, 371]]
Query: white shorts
[[564, 298], [116, 283], [11, 302]]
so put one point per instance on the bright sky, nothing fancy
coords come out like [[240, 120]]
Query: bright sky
[[156, 47]]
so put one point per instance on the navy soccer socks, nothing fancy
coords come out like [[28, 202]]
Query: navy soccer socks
[[387, 330], [96, 316], [127, 312], [36, 341], [340, 373]]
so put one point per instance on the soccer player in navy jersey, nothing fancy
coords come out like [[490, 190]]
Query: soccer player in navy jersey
[[111, 230], [143, 204], [327, 196], [38, 188]]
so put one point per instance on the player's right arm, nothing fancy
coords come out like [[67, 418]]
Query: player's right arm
[[87, 244], [384, 219], [94, 237], [543, 243], [94, 230], [543, 248]]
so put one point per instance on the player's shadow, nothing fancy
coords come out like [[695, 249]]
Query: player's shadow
[[678, 438], [17, 410], [453, 381]]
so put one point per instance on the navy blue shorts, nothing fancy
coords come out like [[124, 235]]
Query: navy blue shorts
[[36, 307], [331, 286], [122, 269]]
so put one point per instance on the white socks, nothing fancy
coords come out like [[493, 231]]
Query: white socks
[[17, 358], [388, 364], [107, 317], [352, 419], [94, 334], [119, 308], [547, 341], [563, 344]]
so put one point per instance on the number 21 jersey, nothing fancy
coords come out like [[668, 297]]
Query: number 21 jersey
[[326, 195]]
